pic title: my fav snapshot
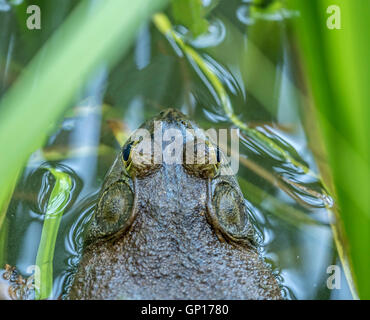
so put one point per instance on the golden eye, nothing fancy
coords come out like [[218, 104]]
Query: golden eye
[[126, 155], [218, 160], [203, 161], [139, 159]]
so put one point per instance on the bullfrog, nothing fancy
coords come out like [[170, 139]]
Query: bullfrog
[[165, 230], [171, 230]]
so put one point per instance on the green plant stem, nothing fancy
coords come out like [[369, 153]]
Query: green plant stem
[[58, 201]]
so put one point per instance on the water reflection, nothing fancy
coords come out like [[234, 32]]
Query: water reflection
[[143, 48], [215, 35], [86, 132]]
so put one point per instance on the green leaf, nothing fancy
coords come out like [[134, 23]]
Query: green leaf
[[336, 66], [9, 189], [58, 201], [190, 13]]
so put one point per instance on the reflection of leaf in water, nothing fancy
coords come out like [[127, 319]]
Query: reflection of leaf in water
[[58, 201], [282, 183], [63, 153], [284, 127], [276, 207]]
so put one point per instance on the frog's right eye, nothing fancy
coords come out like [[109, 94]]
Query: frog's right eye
[[113, 214], [202, 159]]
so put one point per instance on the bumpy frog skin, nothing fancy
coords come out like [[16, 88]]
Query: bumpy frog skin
[[170, 231]]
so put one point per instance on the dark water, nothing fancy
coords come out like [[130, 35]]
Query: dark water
[[253, 57]]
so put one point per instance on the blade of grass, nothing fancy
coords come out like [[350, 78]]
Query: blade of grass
[[3, 223], [58, 201], [335, 63], [3, 243], [9, 192]]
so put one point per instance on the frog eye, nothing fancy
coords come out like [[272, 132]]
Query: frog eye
[[138, 157], [218, 157], [126, 154], [113, 214], [203, 161], [228, 213]]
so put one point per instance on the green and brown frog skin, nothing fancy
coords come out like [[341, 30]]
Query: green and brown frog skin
[[171, 231]]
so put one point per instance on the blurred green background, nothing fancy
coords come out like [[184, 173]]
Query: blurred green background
[[297, 89]]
